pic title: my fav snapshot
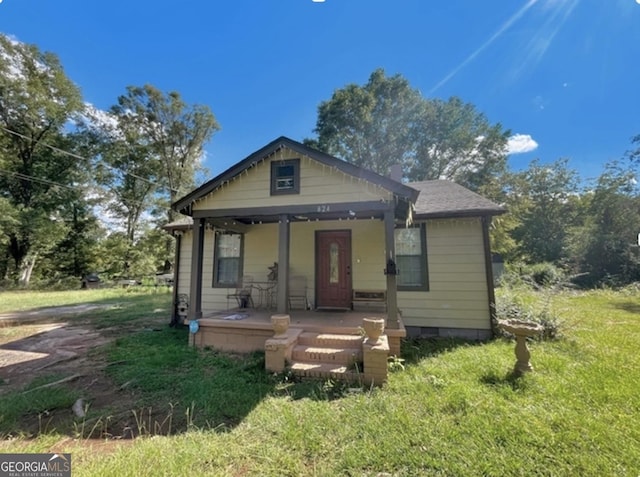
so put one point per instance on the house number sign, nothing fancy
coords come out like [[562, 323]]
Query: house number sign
[[324, 208]]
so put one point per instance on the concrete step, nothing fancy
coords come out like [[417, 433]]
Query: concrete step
[[330, 355], [332, 340], [325, 371]]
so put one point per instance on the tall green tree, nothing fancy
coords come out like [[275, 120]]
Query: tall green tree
[[610, 235], [175, 133], [126, 169], [37, 99], [456, 142], [371, 126], [543, 198], [386, 122], [148, 148]]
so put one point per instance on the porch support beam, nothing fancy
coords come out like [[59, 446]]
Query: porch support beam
[[284, 237], [195, 292], [230, 225], [328, 209], [391, 270]]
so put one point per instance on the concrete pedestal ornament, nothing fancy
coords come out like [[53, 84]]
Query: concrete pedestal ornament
[[280, 325], [373, 327], [521, 330]]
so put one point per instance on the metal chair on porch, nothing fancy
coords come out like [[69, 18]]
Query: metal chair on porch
[[298, 291], [242, 293]]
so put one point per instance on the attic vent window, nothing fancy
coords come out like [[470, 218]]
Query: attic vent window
[[285, 177]]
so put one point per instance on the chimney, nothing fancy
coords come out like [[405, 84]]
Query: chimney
[[395, 172]]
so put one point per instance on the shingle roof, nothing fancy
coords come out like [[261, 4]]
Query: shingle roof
[[440, 198], [183, 223]]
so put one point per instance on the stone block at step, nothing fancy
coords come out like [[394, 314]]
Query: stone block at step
[[345, 356], [325, 371], [330, 340]]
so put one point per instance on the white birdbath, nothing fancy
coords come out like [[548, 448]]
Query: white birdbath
[[521, 330]]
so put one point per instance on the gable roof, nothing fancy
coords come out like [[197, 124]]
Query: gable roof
[[441, 198], [399, 189]]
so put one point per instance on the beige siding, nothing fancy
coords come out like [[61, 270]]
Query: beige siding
[[457, 297], [319, 184], [367, 252], [184, 270], [261, 250], [458, 291]]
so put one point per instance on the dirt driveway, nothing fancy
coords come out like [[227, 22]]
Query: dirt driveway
[[50, 342]]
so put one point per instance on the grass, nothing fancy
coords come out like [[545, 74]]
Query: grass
[[20, 300], [456, 409], [41, 402]]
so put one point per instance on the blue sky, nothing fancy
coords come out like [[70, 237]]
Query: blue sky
[[563, 73]]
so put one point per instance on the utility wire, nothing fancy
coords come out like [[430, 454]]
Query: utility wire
[[27, 177], [76, 156]]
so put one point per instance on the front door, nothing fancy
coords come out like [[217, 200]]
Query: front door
[[333, 269]]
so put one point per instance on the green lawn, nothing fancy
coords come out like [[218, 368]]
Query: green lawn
[[455, 410]]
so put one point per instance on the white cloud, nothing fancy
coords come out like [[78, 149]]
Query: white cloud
[[521, 143]]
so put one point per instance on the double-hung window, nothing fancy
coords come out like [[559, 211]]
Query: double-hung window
[[227, 261], [411, 258]]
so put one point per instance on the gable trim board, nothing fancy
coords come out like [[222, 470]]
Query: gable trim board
[[464, 215]]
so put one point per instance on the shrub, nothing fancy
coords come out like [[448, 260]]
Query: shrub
[[538, 275], [509, 307]]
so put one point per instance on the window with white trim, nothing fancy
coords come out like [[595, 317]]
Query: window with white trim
[[411, 258]]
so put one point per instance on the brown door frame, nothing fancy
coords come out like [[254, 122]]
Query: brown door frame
[[347, 263]]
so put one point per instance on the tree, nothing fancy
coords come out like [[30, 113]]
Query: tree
[[458, 143], [176, 135], [75, 254], [36, 101], [174, 132], [609, 237], [542, 197], [148, 148], [372, 126], [386, 122], [125, 167]]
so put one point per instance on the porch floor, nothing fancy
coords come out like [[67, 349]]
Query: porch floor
[[345, 322], [247, 329]]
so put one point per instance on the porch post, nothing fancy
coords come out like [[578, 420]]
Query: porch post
[[390, 270], [283, 264], [195, 298]]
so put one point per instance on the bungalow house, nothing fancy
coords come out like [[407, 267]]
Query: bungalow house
[[292, 230]]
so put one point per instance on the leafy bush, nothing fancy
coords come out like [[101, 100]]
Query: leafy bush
[[508, 307], [538, 275]]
